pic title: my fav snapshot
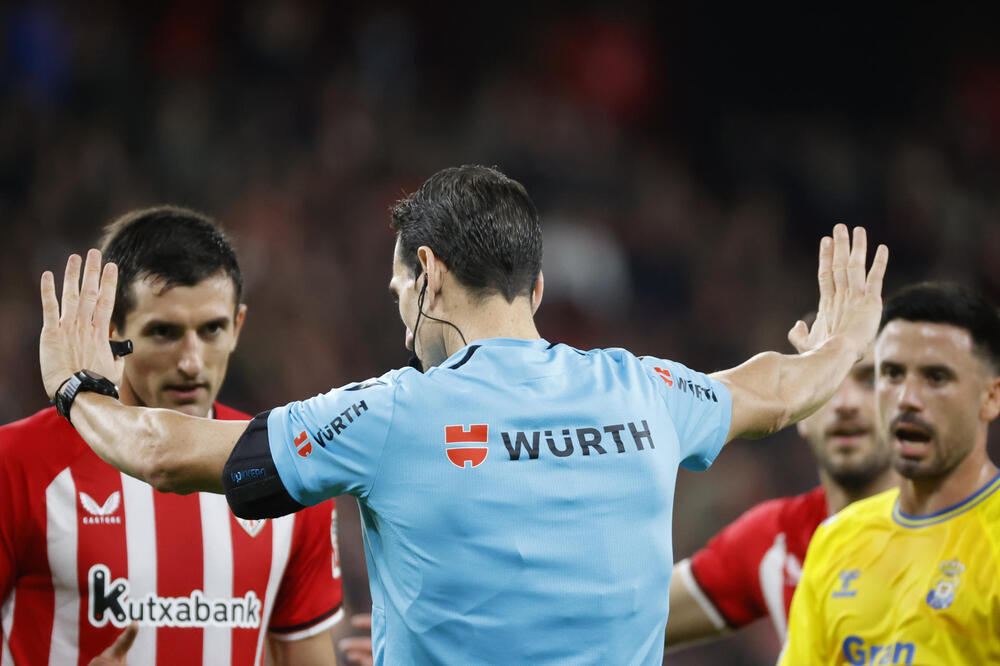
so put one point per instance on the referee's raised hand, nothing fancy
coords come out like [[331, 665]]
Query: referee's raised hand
[[850, 302], [75, 337]]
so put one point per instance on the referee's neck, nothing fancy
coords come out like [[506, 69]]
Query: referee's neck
[[492, 317]]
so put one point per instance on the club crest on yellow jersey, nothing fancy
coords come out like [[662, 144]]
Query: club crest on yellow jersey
[[943, 592]]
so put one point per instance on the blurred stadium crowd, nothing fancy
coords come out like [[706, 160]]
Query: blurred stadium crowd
[[685, 161]]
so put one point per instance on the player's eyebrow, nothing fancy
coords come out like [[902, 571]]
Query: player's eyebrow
[[861, 372], [945, 370], [153, 324], [889, 365], [221, 322]]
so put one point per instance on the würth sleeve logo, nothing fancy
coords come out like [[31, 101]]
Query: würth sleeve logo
[[473, 455], [665, 376], [703, 393], [327, 433]]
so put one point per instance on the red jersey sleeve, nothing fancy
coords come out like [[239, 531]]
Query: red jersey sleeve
[[309, 598], [8, 523], [18, 539], [727, 568]]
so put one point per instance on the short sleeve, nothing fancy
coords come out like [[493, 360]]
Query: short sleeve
[[310, 595], [726, 569], [332, 444], [806, 629], [700, 407]]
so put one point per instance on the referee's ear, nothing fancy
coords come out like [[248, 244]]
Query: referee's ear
[[536, 293]]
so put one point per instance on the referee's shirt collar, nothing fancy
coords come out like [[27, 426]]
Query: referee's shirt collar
[[465, 352]]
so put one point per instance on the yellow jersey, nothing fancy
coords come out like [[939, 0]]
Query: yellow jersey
[[883, 587]]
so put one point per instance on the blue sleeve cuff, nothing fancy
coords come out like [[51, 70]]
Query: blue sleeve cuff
[[284, 462], [717, 437]]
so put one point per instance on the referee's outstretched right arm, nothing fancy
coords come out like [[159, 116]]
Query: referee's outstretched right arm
[[771, 390]]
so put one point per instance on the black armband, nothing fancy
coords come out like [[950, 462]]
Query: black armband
[[253, 488]]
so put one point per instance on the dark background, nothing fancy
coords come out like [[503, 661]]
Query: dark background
[[685, 159]]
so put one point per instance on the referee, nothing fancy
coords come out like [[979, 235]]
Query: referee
[[517, 495]]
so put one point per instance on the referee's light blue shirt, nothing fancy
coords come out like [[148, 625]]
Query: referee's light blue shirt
[[516, 499]]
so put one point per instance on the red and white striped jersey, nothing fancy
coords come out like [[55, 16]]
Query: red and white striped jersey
[[751, 568], [85, 550]]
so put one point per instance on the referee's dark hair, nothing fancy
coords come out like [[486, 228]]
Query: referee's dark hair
[[480, 223], [950, 303], [182, 247]]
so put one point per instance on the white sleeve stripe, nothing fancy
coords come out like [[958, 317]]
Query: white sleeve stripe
[[309, 631], [683, 569], [6, 624]]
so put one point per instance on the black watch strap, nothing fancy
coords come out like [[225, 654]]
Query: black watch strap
[[81, 381]]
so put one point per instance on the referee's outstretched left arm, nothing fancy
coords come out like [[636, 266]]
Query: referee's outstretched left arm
[[771, 390]]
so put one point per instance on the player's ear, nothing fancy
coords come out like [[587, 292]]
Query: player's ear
[[241, 313], [802, 429], [990, 408], [114, 333]]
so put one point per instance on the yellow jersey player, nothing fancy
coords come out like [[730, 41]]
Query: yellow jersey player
[[912, 575]]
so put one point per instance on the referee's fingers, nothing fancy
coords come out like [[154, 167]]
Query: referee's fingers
[[841, 250], [856, 262], [50, 304], [89, 290], [799, 337], [106, 299], [824, 276], [71, 288], [877, 272]]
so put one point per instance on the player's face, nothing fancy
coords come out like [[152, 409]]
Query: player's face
[[931, 387], [843, 435], [183, 337]]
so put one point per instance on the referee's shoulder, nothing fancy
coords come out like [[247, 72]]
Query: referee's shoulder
[[613, 354]]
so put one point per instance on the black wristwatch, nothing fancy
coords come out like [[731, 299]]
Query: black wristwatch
[[84, 380]]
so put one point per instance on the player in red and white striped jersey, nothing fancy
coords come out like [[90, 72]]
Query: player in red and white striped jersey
[[86, 550], [750, 569]]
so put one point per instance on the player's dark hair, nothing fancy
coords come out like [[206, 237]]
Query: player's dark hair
[[949, 303], [480, 223], [179, 246]]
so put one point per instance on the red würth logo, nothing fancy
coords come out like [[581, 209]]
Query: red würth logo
[[303, 445], [460, 455], [665, 376]]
